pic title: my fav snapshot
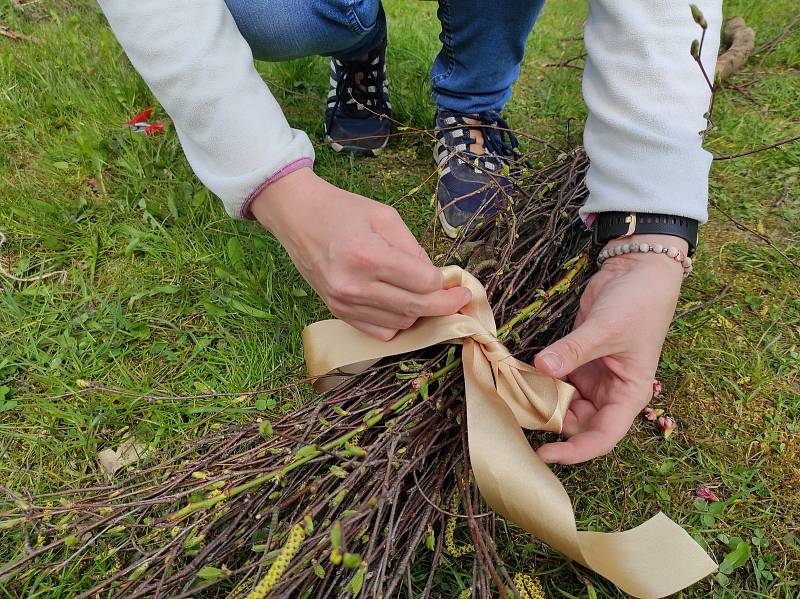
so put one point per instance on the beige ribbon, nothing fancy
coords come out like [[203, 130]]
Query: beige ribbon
[[505, 395]]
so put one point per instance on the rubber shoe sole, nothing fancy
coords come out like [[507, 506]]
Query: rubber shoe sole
[[449, 230], [355, 150]]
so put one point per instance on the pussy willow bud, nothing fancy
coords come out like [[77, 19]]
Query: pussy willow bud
[[695, 49], [698, 17], [351, 560]]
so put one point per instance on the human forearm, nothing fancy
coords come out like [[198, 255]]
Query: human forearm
[[646, 98], [193, 58]]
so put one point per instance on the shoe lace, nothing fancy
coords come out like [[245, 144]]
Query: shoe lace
[[368, 91], [498, 141], [497, 137]]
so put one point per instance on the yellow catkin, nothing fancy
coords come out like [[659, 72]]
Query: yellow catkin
[[278, 567], [450, 546], [528, 587]]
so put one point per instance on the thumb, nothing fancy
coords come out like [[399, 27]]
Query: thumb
[[584, 344]]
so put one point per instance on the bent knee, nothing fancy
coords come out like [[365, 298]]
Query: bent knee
[[286, 29]]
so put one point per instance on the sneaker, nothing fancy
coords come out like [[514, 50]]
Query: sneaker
[[477, 158], [358, 104]]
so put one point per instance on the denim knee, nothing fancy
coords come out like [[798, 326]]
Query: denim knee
[[286, 29]]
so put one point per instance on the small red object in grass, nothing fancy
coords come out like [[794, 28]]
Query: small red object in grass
[[666, 425], [657, 388], [652, 413], [703, 492], [141, 117], [154, 128]]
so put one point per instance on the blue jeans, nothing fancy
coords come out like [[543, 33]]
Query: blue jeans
[[482, 42]]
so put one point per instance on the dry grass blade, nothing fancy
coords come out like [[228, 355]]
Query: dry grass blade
[[16, 36]]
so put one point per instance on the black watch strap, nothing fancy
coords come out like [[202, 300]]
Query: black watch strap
[[613, 225]]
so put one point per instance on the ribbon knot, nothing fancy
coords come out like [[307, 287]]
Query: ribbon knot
[[503, 396]]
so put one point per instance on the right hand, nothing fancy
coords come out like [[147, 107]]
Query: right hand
[[356, 253]]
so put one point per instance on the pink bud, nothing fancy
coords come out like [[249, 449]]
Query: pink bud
[[703, 492], [666, 425], [652, 413], [419, 382], [657, 388]]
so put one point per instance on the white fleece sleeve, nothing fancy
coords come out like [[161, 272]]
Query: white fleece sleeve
[[192, 56], [646, 97]]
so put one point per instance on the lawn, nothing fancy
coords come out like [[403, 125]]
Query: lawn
[[160, 293]]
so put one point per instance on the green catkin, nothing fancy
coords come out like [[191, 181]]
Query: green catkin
[[528, 587], [278, 567], [449, 533]]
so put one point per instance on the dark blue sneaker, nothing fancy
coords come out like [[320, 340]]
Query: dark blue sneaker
[[478, 159], [358, 105]]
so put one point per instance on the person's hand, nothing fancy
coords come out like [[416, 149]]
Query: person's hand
[[356, 253], [612, 353]]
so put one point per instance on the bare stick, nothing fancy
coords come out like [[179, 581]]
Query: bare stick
[[763, 238], [704, 305], [782, 142]]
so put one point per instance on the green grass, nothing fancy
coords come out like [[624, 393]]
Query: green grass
[[165, 294]]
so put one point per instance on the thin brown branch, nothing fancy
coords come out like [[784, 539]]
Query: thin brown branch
[[782, 142], [763, 238], [704, 305], [775, 41], [16, 36]]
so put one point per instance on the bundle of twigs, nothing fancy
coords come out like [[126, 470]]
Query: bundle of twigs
[[343, 496]]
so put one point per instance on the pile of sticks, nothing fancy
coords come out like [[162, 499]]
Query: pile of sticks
[[365, 491]]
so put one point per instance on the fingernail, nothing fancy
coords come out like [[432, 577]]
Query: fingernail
[[553, 361], [467, 296]]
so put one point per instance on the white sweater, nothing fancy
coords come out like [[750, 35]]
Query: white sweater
[[646, 98]]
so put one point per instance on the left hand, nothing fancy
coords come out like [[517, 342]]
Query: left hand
[[612, 353]]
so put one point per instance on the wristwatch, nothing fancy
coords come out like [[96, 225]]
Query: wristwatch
[[618, 225]]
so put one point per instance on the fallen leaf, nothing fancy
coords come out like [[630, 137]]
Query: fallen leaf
[[736, 557], [129, 452]]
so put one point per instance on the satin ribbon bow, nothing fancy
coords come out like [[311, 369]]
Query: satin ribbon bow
[[503, 396]]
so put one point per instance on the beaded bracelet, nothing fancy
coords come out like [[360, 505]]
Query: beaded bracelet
[[671, 252]]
